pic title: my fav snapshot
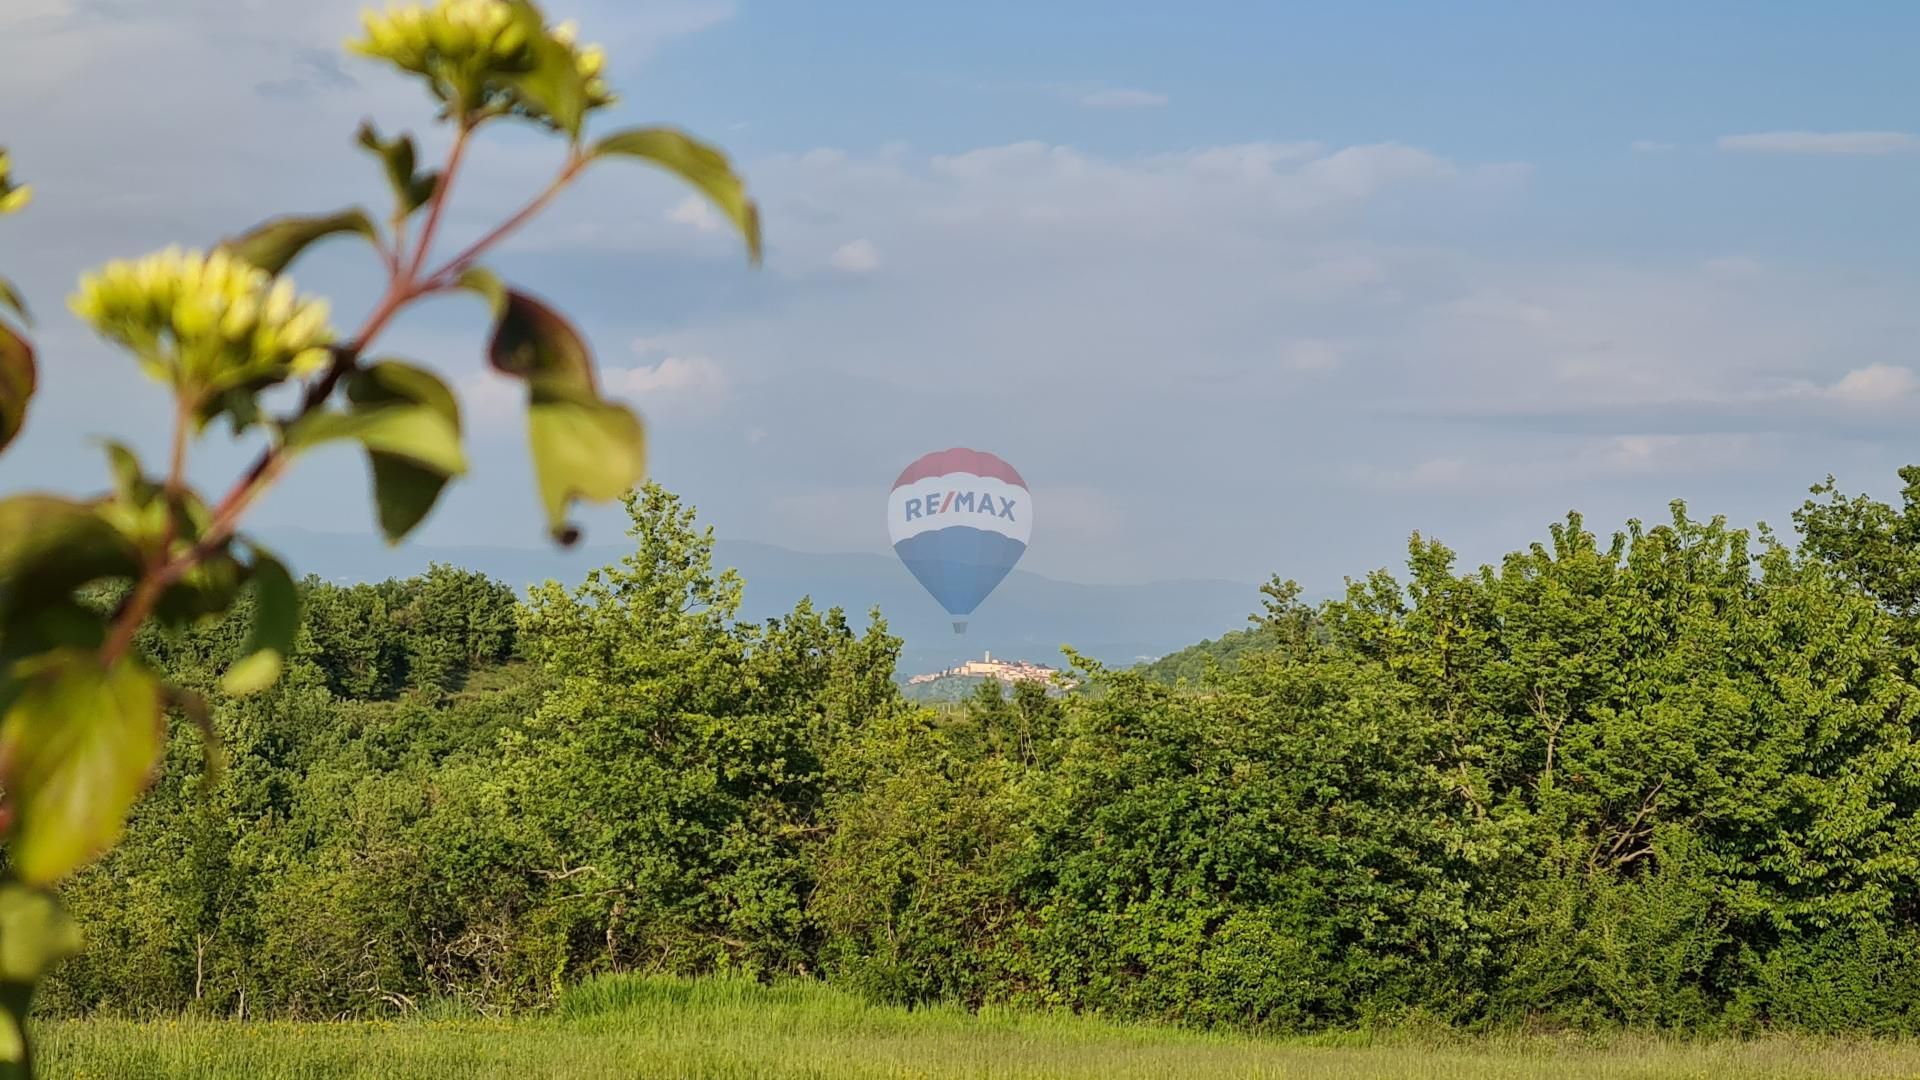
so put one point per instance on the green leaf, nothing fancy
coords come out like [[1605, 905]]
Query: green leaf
[[17, 379], [583, 448], [551, 80], [416, 433], [11, 297], [411, 190], [129, 481], [43, 535], [35, 934], [213, 749], [403, 494], [480, 280], [405, 488], [78, 744], [276, 621], [240, 405], [50, 546], [533, 341], [409, 422], [58, 622], [699, 164], [392, 382], [272, 245], [208, 589]]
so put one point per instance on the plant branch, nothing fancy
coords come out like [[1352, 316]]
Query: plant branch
[[177, 465], [438, 205], [444, 275]]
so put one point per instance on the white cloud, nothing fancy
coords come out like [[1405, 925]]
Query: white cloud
[[696, 212], [677, 381], [1820, 142], [1875, 384], [1649, 146], [1359, 171], [1116, 98], [1592, 460], [856, 257], [490, 396]]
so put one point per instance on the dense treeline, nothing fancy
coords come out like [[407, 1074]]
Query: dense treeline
[[1667, 779]]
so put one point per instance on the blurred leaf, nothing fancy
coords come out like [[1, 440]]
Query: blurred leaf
[[17, 379], [208, 589], [397, 410], [276, 622], [11, 298], [411, 190], [50, 546], [483, 281], [35, 934], [43, 535], [78, 744], [129, 480], [414, 432], [403, 494], [533, 341], [57, 622], [240, 405], [699, 164], [160, 525], [213, 750], [551, 81], [272, 245], [409, 422], [583, 448], [405, 488], [395, 382]]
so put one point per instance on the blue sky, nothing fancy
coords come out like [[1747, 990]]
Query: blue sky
[[1239, 287]]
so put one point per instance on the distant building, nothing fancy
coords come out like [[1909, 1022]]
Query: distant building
[[1007, 671]]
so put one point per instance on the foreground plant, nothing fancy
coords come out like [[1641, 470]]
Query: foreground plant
[[81, 714]]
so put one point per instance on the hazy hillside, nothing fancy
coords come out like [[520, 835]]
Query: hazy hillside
[[1191, 663], [1029, 616]]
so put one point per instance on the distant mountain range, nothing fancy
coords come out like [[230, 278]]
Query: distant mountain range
[[1028, 617]]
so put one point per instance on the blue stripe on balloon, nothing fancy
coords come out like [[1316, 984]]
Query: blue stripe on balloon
[[960, 564]]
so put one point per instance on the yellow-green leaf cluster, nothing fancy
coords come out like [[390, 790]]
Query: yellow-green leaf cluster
[[206, 323], [491, 57], [13, 196]]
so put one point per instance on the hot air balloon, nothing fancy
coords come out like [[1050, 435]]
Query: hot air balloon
[[959, 519]]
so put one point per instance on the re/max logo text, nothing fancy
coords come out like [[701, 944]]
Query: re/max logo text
[[948, 502]]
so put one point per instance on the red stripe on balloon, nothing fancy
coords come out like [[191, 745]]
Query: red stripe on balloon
[[959, 460]]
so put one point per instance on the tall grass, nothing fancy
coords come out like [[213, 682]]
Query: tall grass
[[719, 1029]]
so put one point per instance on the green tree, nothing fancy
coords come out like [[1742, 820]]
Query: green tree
[[674, 773]]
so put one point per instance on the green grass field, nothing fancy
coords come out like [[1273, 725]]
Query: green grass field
[[666, 1028]]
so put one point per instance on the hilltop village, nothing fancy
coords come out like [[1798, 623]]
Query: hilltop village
[[1007, 671]]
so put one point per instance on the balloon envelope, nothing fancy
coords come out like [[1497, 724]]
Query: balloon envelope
[[959, 519]]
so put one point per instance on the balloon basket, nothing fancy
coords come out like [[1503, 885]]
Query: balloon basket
[[959, 626]]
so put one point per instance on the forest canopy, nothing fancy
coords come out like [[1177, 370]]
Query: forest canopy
[[1662, 778]]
